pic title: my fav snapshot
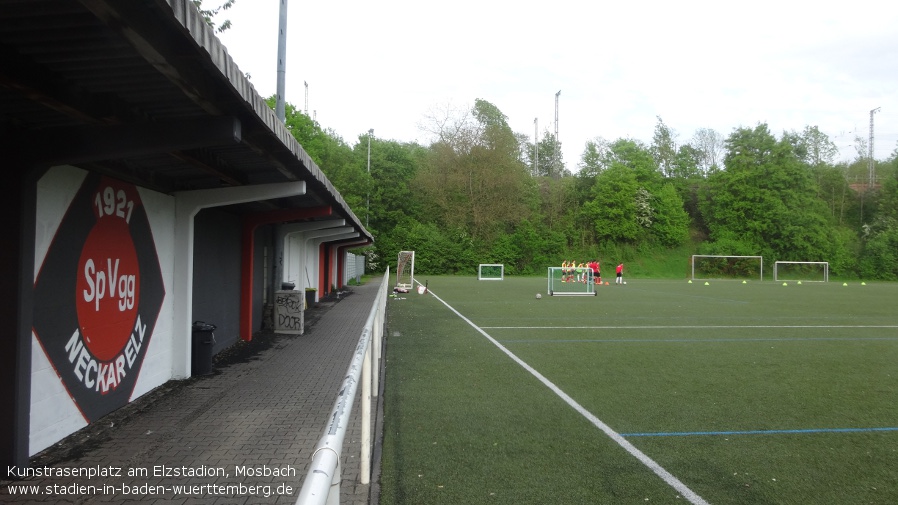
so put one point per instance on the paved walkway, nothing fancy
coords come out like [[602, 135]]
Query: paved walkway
[[265, 412]]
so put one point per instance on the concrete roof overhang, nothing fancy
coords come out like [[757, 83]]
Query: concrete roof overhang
[[143, 91]]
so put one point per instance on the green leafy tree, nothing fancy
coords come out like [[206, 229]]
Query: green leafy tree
[[551, 162], [593, 157], [766, 198], [846, 249], [612, 210], [593, 161], [345, 169], [210, 14], [688, 178], [860, 147], [710, 148], [880, 256], [325, 147], [394, 166], [671, 222], [664, 148], [635, 156], [888, 203], [529, 249], [686, 163], [525, 151], [438, 250], [834, 191], [645, 213], [473, 177], [817, 148], [557, 201]]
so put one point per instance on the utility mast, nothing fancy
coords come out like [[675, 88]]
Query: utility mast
[[871, 163], [555, 164], [306, 110], [536, 146], [280, 108]]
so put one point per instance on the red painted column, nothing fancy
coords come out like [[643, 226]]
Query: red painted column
[[322, 268], [250, 223]]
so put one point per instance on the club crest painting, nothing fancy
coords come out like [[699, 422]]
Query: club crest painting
[[98, 294]]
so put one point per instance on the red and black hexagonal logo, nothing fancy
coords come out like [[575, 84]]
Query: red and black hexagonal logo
[[98, 295]]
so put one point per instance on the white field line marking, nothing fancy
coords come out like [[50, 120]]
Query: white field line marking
[[688, 327], [669, 478]]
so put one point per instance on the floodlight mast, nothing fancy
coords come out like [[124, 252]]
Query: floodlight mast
[[280, 108], [536, 146], [368, 195], [555, 163], [871, 164]]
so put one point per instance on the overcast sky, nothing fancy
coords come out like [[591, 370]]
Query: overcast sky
[[697, 64]]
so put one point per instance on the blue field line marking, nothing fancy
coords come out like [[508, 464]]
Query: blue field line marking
[[662, 340], [758, 432]]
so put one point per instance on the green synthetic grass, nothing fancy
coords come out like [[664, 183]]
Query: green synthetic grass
[[464, 423]]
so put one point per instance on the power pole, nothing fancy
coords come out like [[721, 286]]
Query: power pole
[[306, 110], [871, 163], [536, 146], [555, 166]]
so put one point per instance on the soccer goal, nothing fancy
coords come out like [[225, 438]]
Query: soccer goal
[[707, 267], [806, 271], [571, 282], [405, 270], [490, 272]]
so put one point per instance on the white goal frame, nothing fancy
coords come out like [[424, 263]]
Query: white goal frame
[[575, 286], [405, 270], [824, 264], [694, 256], [490, 266]]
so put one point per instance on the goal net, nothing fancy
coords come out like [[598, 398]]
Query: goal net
[[490, 272], [571, 282], [706, 267], [405, 270], [807, 271]]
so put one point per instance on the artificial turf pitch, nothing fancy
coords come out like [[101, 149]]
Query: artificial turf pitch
[[744, 393]]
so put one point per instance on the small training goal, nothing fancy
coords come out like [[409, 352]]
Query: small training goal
[[707, 267], [805, 271], [490, 272], [564, 281], [405, 270]]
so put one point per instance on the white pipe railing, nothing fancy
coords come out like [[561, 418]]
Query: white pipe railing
[[322, 483]]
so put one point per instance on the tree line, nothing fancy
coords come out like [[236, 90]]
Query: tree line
[[482, 193]]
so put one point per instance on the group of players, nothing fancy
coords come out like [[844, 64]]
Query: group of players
[[571, 271]]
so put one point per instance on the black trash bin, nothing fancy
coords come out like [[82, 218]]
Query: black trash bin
[[201, 348]]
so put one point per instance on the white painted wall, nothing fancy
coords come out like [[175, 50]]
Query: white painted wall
[[53, 413], [157, 364]]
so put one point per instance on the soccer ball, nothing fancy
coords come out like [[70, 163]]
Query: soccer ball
[[625, 282], [538, 296]]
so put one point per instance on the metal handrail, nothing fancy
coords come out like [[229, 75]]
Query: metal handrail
[[322, 483]]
